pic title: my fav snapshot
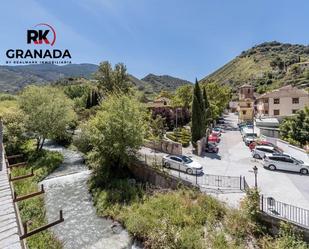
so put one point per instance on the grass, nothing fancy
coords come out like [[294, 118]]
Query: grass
[[186, 219], [33, 209]]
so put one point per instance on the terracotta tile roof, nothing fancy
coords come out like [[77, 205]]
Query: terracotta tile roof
[[286, 91]]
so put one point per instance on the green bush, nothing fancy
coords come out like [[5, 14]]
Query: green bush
[[180, 135]]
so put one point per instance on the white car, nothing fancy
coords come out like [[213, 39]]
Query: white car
[[261, 150], [285, 162], [182, 163]]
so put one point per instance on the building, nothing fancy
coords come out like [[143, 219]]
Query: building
[[233, 106], [160, 102], [246, 103], [282, 102]]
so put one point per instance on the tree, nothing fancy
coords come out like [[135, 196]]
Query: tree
[[157, 127], [14, 130], [47, 112], [295, 129], [218, 97], [165, 94], [207, 109], [116, 133], [198, 117], [112, 80], [183, 96]]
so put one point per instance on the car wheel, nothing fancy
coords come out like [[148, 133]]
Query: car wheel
[[167, 165], [189, 171], [304, 171], [256, 156], [272, 167]]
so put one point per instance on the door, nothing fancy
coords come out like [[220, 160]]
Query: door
[[289, 164], [176, 163]]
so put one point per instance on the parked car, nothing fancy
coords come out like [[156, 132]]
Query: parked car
[[211, 148], [265, 143], [214, 139], [218, 129], [249, 138], [221, 120], [182, 163], [285, 162], [243, 124], [216, 133], [261, 150]]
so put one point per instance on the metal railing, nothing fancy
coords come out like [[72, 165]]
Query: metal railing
[[219, 181], [284, 211], [202, 181]]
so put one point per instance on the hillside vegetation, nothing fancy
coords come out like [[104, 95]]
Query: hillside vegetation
[[15, 78], [267, 66]]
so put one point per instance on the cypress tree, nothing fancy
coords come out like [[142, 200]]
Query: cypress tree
[[207, 109], [198, 120]]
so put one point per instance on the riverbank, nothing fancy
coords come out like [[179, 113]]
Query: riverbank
[[187, 218], [67, 189], [33, 209]]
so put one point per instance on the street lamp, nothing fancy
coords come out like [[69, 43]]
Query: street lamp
[[255, 171]]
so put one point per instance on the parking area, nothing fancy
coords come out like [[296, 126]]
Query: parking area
[[234, 159]]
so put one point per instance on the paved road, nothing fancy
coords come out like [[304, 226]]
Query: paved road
[[234, 159]]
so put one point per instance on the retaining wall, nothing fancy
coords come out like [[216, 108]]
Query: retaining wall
[[165, 146], [144, 173], [292, 150]]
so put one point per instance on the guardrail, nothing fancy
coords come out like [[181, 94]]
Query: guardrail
[[284, 211]]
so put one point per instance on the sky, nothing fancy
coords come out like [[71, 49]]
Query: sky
[[182, 38]]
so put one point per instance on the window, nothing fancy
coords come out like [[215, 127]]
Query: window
[[276, 112], [248, 90], [248, 105], [266, 112], [276, 101], [294, 111], [288, 160], [295, 100], [265, 101], [176, 159], [244, 112]]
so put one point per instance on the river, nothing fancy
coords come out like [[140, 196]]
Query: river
[[66, 189]]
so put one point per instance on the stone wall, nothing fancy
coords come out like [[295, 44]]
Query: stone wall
[[165, 146], [144, 173], [273, 225]]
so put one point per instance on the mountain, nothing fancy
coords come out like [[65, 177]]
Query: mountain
[[164, 82], [14, 78], [267, 66]]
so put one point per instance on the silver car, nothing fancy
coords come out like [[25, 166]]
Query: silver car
[[182, 163], [261, 150], [285, 162]]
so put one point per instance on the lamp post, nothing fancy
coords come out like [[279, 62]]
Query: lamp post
[[255, 171]]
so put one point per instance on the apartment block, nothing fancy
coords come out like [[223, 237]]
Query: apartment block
[[282, 102]]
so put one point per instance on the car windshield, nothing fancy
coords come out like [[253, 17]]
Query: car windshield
[[251, 135], [186, 159], [298, 161]]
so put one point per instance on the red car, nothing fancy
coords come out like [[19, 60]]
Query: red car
[[214, 139], [255, 143]]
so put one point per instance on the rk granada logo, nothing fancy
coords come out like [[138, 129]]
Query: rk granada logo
[[44, 33], [40, 34]]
